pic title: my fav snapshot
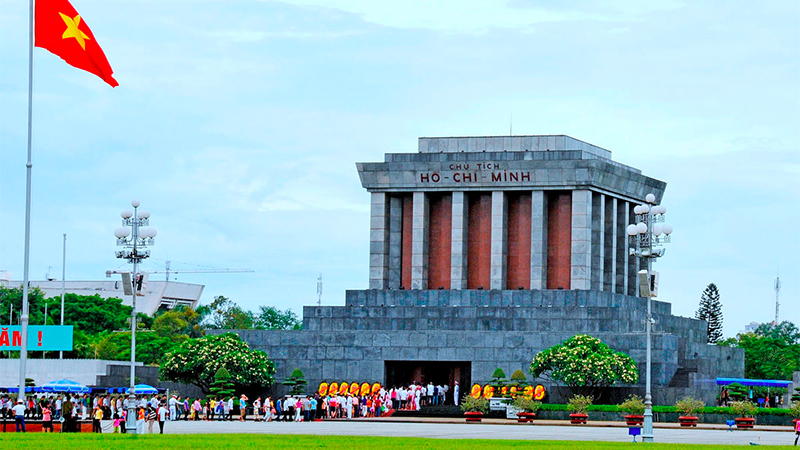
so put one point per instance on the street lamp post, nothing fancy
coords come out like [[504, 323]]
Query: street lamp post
[[135, 250], [647, 235]]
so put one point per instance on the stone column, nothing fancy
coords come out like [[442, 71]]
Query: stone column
[[378, 242], [633, 263], [458, 263], [395, 241], [538, 240], [598, 239], [581, 267], [499, 240], [610, 246], [622, 247], [419, 242]]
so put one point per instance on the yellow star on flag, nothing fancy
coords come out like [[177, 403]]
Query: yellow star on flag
[[73, 30]]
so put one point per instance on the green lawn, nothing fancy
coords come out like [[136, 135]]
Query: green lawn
[[294, 442]]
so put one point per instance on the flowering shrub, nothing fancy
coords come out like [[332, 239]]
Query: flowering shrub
[[470, 404], [196, 361], [584, 364], [579, 404], [632, 405], [689, 405]]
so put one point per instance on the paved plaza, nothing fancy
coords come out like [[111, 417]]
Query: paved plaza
[[450, 429]]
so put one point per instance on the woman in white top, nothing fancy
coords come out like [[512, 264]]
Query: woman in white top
[[257, 409]]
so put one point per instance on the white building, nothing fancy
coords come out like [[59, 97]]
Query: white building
[[159, 294]]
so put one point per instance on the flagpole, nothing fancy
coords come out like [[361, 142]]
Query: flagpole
[[23, 350]]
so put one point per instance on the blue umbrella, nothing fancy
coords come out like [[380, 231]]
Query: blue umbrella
[[142, 389], [65, 386]]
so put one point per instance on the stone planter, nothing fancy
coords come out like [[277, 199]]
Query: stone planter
[[578, 418], [473, 416], [688, 421], [525, 417], [745, 422], [634, 420]]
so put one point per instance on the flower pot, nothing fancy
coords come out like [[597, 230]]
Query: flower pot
[[525, 417], [634, 420], [578, 418], [688, 421], [745, 422], [473, 416]]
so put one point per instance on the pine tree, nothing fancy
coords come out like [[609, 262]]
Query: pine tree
[[222, 386], [710, 310]]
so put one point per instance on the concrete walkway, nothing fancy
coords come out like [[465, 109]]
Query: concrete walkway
[[491, 429]]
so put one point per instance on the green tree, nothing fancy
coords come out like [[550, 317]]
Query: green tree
[[297, 382], [150, 347], [196, 361], [222, 386], [710, 310], [772, 351], [585, 365], [271, 318], [225, 314]]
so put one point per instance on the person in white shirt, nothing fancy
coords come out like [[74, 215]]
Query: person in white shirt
[[172, 408], [58, 407], [455, 393], [19, 415], [162, 417], [429, 394]]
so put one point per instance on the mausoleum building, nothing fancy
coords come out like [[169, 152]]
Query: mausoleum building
[[483, 252]]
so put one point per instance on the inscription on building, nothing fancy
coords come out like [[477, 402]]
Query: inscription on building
[[481, 172]]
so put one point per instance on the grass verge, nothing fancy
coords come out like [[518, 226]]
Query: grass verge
[[293, 442]]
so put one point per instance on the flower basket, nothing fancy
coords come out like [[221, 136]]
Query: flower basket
[[634, 406], [688, 421], [689, 406], [578, 418], [526, 417], [744, 411], [474, 408], [634, 420], [473, 416]]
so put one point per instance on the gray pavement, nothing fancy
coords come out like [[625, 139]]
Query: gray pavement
[[487, 430]]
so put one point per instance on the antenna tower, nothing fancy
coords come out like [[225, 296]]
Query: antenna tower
[[319, 290], [777, 297]]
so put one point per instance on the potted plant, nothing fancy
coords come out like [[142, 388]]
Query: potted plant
[[578, 405], [527, 407], [744, 412], [689, 406], [474, 408], [634, 406]]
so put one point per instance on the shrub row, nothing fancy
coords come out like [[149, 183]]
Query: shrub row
[[669, 409]]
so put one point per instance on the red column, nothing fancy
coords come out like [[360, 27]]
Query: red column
[[559, 239], [479, 241], [405, 256], [440, 240], [518, 262]]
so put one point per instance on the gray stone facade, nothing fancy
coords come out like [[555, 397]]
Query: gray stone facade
[[493, 329], [482, 329]]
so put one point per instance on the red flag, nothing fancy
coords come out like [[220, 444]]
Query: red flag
[[62, 31]]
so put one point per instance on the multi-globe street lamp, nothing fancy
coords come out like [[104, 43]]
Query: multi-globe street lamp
[[646, 236], [135, 239]]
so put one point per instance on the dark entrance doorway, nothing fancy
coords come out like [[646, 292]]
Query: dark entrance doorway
[[403, 373]]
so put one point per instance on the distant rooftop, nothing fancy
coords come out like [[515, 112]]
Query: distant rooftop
[[533, 143]]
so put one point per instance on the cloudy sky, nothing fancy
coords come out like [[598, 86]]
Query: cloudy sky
[[238, 125]]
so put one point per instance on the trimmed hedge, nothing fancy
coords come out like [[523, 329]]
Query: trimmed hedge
[[670, 409]]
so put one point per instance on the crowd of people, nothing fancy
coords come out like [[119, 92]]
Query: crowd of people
[[71, 409]]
